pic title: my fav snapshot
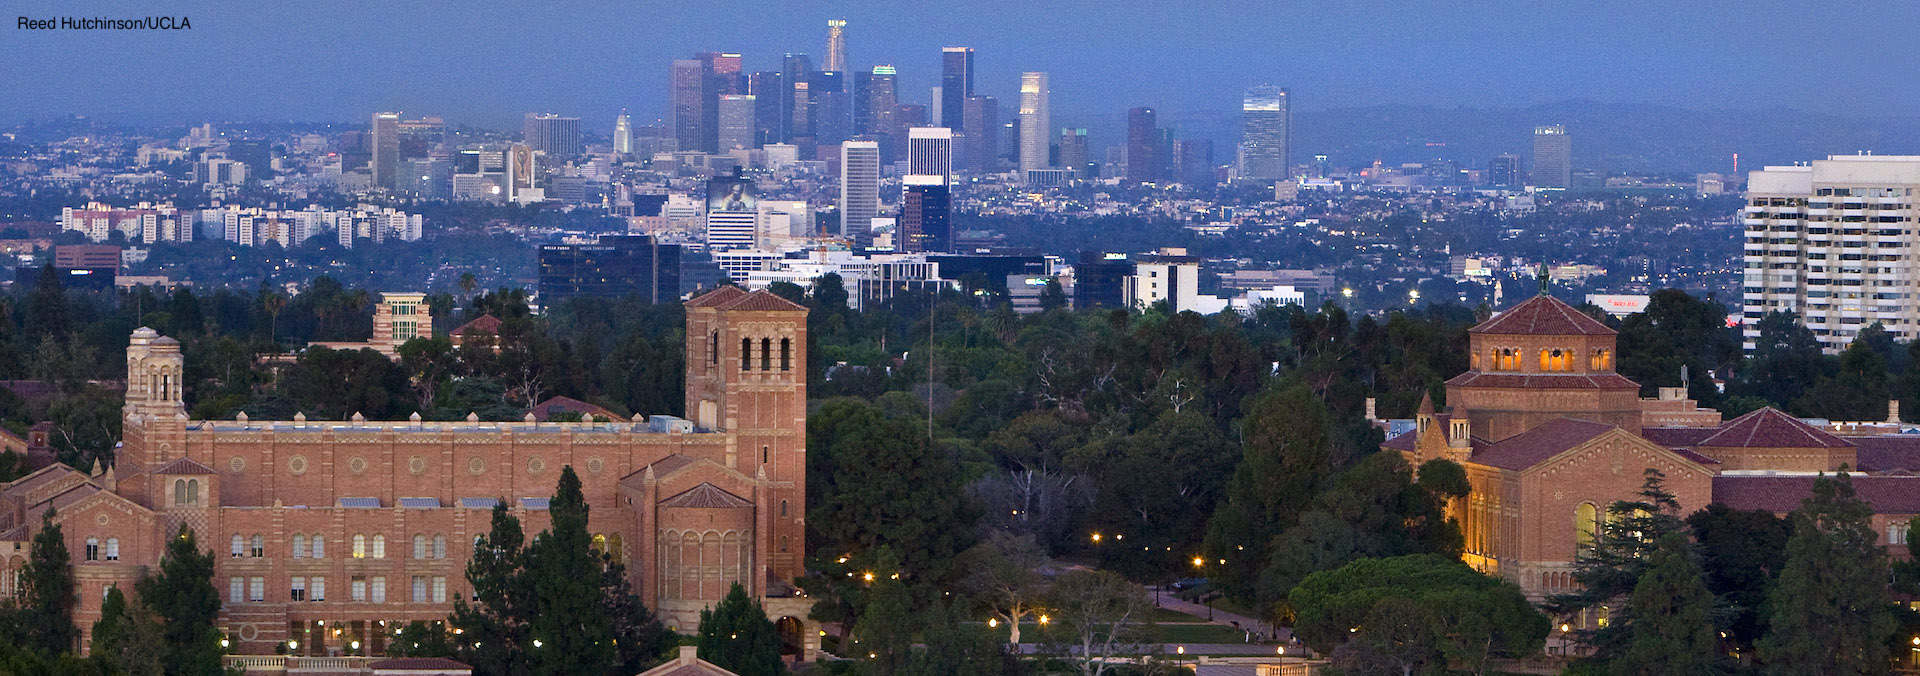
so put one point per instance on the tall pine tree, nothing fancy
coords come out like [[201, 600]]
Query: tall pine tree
[[1672, 625], [569, 628], [1832, 611], [1621, 554], [182, 594], [737, 636], [1286, 461], [492, 630], [47, 593], [128, 636]]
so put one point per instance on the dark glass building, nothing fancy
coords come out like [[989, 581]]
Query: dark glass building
[[1099, 280], [1143, 146], [956, 86], [926, 215], [616, 266]]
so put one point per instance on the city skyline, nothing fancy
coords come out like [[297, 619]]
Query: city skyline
[[592, 69]]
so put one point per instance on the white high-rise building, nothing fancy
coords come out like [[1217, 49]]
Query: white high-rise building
[[1036, 125], [930, 151], [859, 190], [1834, 241], [623, 133], [736, 121]]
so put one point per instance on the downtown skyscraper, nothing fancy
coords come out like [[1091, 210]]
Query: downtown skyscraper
[[1143, 146], [836, 46], [930, 152], [552, 134], [859, 190], [956, 86], [1036, 126], [386, 150], [623, 133], [1266, 127]]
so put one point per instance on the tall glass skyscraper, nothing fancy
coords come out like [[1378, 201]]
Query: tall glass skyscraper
[[1143, 146], [956, 85], [1265, 129], [1552, 157], [836, 45], [386, 150], [859, 190], [1035, 125]]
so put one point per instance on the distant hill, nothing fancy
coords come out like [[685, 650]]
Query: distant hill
[[1607, 136]]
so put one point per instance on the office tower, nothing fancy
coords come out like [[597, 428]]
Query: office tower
[[623, 133], [836, 45], [554, 135], [827, 106], [1323, 168], [883, 106], [1007, 145], [1193, 161], [860, 103], [1073, 151], [980, 147], [1552, 157], [616, 267], [859, 190], [736, 122], [733, 213], [926, 215], [1171, 276], [692, 109], [1504, 171], [956, 86], [1034, 122], [1829, 240], [1143, 146], [930, 151], [934, 112], [1100, 280], [766, 87], [386, 150], [1265, 132], [795, 69]]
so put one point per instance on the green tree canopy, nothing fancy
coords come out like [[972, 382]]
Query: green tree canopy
[[737, 636], [1832, 610], [1672, 624], [182, 593]]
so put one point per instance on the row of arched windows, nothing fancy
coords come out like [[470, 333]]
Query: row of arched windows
[[1551, 359], [186, 492], [766, 354], [425, 547]]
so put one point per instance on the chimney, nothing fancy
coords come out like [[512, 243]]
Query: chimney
[[1459, 432], [1372, 413], [1893, 411]]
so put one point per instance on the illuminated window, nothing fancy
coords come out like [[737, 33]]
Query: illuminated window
[[359, 546], [1586, 525]]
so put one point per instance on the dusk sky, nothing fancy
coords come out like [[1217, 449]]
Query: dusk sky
[[488, 63]]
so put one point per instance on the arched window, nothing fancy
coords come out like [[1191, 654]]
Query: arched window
[[1601, 360], [1586, 525], [439, 546], [319, 546], [93, 549], [359, 546], [259, 547], [193, 491], [766, 354], [113, 549], [613, 547], [783, 543], [179, 491], [599, 544], [746, 354], [786, 354], [713, 348], [379, 546], [783, 508], [299, 546], [239, 545], [419, 546]]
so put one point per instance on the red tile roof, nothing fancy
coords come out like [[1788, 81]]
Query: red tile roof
[[763, 301], [430, 664], [1556, 381], [1781, 494], [1677, 437], [707, 496], [1539, 444], [1543, 316], [1403, 442], [544, 411], [1887, 453], [716, 297], [184, 466], [1769, 428], [482, 324]]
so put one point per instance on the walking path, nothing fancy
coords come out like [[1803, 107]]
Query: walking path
[[1258, 627]]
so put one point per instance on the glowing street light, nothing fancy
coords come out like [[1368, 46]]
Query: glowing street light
[[993, 623]]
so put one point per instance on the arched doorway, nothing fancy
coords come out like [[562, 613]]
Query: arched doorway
[[793, 636]]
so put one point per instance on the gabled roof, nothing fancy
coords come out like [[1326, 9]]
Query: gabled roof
[[1544, 381], [670, 464], [1543, 316], [1769, 428], [707, 496], [1780, 494], [1403, 443], [42, 477], [716, 297], [184, 466], [485, 323], [1539, 444], [1677, 437], [762, 301]]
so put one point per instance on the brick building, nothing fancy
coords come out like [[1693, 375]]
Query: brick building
[[1550, 436], [328, 533]]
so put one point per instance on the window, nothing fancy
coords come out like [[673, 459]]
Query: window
[[359, 546], [786, 354], [236, 589], [1601, 360], [113, 549], [766, 354], [357, 590], [93, 549], [783, 543], [419, 589], [765, 454], [299, 546], [317, 589], [439, 589], [1897, 532], [319, 546], [1586, 525], [746, 354], [439, 546], [180, 491], [379, 546], [713, 348], [379, 590], [783, 508], [239, 545], [297, 589], [599, 544], [256, 589], [419, 546], [259, 548], [193, 491]]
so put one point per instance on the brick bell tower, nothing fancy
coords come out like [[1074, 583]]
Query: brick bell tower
[[1539, 361], [154, 418], [747, 376]]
